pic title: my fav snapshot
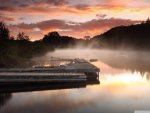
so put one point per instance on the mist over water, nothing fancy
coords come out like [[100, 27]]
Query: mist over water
[[132, 60], [124, 86], [95, 53]]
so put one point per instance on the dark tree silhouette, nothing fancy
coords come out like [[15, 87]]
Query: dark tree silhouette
[[147, 21], [56, 40], [17, 53], [52, 37], [11, 38], [22, 36], [134, 36], [4, 32]]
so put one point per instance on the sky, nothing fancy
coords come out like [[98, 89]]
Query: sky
[[76, 18]]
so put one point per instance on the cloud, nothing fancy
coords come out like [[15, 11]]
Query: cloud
[[82, 7], [7, 18], [44, 25], [101, 15], [24, 3], [78, 11], [64, 6], [75, 29], [70, 17], [125, 3], [25, 6]]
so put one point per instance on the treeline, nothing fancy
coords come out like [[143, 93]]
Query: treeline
[[56, 41], [17, 51], [126, 37]]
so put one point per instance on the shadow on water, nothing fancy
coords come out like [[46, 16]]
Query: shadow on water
[[4, 98], [6, 90], [11, 88]]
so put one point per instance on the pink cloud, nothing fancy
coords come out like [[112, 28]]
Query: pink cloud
[[78, 30]]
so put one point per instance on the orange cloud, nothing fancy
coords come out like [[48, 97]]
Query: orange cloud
[[69, 17], [62, 7], [78, 30], [8, 19]]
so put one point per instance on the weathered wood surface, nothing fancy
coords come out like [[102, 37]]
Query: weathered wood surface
[[76, 71]]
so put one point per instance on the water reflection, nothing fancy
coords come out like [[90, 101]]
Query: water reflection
[[130, 60], [124, 88], [10, 88], [135, 63], [4, 98]]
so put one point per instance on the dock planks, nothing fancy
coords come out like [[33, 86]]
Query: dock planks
[[78, 70]]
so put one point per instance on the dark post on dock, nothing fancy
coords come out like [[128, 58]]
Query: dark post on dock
[[78, 70]]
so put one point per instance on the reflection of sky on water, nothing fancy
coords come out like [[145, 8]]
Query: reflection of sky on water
[[120, 91]]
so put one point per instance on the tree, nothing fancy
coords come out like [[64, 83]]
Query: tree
[[22, 36], [147, 21], [52, 37], [4, 32], [54, 34], [87, 37], [12, 38]]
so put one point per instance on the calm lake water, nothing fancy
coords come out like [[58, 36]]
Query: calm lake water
[[124, 87]]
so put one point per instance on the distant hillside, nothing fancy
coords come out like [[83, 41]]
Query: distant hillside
[[57, 41], [17, 51], [133, 36]]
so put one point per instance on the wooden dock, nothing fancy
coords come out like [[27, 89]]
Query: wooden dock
[[78, 70]]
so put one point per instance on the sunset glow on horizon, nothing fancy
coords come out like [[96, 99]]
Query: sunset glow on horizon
[[70, 17]]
